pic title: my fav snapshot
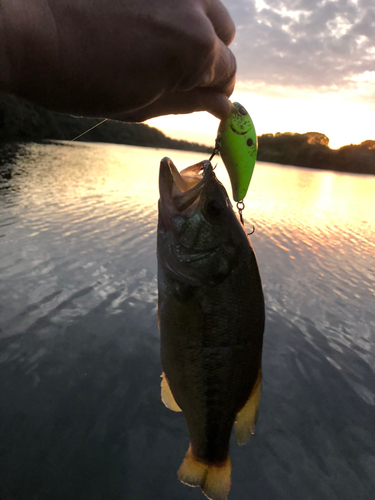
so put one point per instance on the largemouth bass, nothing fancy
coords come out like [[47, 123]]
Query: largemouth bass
[[211, 320]]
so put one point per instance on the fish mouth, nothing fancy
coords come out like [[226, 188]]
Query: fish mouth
[[178, 191]]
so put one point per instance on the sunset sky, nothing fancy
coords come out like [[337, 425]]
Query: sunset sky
[[303, 65]]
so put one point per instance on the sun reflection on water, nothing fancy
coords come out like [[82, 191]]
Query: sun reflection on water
[[79, 359], [97, 183]]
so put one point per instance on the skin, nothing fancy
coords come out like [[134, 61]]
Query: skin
[[125, 59], [211, 312]]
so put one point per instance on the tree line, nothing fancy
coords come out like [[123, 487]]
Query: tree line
[[23, 121], [311, 150]]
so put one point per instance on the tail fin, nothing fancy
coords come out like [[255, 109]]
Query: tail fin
[[214, 480]]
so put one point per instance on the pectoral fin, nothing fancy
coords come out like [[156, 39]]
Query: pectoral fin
[[167, 396], [246, 418]]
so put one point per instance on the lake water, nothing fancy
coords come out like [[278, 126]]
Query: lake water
[[81, 416]]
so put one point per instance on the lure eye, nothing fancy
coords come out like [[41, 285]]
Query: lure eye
[[214, 208]]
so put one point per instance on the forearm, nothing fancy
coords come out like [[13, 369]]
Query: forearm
[[5, 73], [27, 44], [20, 26], [67, 56]]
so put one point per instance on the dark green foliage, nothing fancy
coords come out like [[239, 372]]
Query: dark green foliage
[[311, 150], [23, 121]]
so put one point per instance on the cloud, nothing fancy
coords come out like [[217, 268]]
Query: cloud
[[316, 44]]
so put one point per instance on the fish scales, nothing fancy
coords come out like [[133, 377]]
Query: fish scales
[[211, 312]]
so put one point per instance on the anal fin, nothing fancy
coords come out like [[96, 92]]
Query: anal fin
[[167, 396], [246, 418]]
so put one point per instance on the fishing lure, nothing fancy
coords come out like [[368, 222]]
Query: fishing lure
[[237, 143]]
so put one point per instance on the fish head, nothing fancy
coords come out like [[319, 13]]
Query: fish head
[[198, 232]]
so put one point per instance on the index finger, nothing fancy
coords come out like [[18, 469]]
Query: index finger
[[221, 74], [180, 103], [221, 21]]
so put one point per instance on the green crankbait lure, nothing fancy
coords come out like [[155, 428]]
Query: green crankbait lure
[[237, 142]]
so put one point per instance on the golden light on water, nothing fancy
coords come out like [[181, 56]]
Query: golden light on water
[[319, 202], [79, 319], [313, 207], [112, 177], [318, 197], [105, 197]]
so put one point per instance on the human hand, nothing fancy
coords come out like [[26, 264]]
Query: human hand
[[125, 59]]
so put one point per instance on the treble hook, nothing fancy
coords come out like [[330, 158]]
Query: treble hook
[[240, 208]]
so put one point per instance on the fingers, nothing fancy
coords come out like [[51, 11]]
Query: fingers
[[221, 75], [181, 103], [221, 21], [219, 67]]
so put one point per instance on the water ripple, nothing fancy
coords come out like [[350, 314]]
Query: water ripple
[[79, 364]]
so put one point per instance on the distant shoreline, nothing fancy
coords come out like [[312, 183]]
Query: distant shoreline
[[22, 121], [8, 150], [311, 150]]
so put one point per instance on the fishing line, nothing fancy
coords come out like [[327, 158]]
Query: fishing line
[[215, 151], [83, 133], [240, 204]]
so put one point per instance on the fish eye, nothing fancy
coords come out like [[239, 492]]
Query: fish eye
[[214, 207]]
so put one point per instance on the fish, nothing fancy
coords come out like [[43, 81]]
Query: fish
[[211, 321]]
